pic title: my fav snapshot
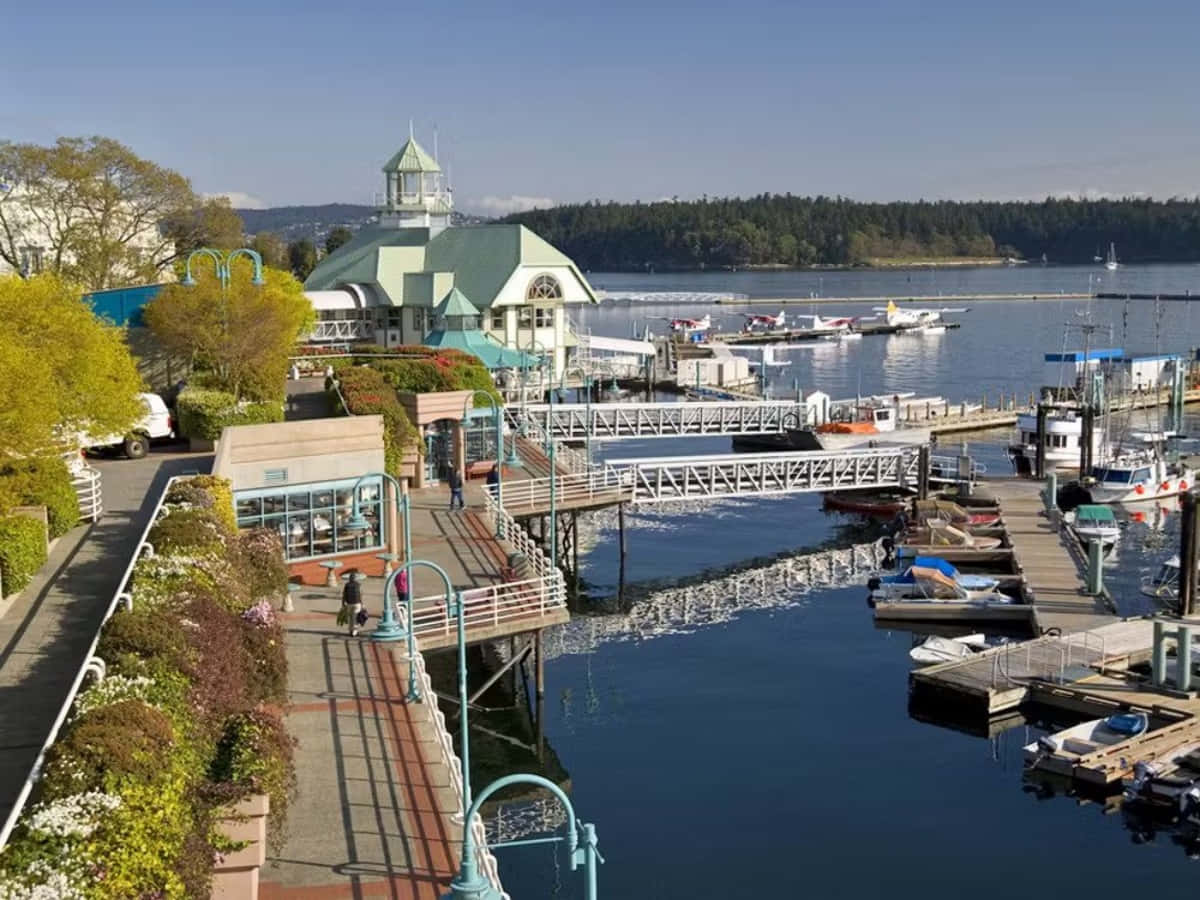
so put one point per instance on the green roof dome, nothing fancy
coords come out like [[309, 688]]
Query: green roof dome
[[412, 158]]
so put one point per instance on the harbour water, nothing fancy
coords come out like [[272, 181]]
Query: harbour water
[[772, 752]]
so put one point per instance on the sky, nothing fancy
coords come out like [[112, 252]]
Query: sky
[[538, 103]]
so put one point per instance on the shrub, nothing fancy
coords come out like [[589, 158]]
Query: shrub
[[22, 551], [256, 754], [194, 531], [261, 564], [204, 414], [41, 481], [153, 634], [205, 492], [368, 393], [107, 745], [218, 664], [266, 661]]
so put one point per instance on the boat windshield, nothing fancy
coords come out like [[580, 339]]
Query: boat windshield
[[1113, 476], [1141, 474]]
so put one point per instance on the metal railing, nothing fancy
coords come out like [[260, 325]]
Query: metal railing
[[619, 421], [88, 665], [484, 857], [490, 606], [534, 493], [340, 330], [568, 458], [86, 482]]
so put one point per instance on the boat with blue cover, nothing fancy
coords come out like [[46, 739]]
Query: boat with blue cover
[[1063, 749], [933, 578]]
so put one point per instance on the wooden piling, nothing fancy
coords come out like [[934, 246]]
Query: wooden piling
[[1187, 555], [539, 686]]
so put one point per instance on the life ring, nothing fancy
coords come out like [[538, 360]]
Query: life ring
[[1139, 490], [1183, 485], [1166, 485]]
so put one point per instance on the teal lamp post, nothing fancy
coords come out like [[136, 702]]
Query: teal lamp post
[[587, 387], [223, 264], [470, 884], [388, 628], [499, 451]]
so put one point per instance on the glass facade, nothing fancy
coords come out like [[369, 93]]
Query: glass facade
[[313, 519]]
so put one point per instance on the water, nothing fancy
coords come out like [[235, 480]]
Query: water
[[774, 754]]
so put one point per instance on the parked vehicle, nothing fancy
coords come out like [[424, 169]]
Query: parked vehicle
[[156, 424]]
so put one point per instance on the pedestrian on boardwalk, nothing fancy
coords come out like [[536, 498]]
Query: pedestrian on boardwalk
[[402, 589], [493, 481], [455, 483], [352, 602]]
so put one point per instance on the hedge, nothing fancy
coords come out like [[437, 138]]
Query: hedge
[[368, 393], [22, 551], [41, 481], [182, 724], [204, 414]]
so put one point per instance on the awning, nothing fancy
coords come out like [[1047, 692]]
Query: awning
[[327, 300]]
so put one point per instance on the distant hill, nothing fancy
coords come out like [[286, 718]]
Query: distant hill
[[293, 223]]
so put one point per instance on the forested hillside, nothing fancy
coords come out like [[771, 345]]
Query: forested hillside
[[800, 231]]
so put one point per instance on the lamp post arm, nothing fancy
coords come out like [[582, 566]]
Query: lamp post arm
[[218, 263], [253, 256], [468, 852]]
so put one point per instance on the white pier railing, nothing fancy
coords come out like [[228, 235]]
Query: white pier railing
[[491, 606], [533, 494], [662, 479], [621, 421]]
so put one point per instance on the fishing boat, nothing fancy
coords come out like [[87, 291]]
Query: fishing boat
[[935, 535], [926, 584], [1110, 262], [1094, 522], [935, 649], [1138, 475], [1062, 750], [887, 587]]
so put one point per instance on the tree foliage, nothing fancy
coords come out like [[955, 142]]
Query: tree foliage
[[211, 223], [98, 205], [302, 258], [61, 367], [800, 231], [240, 337], [337, 237], [271, 248]]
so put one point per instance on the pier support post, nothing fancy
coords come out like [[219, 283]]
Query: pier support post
[[923, 465], [1050, 492], [1158, 659], [621, 551], [539, 687], [1183, 658], [1039, 454], [1087, 431], [1188, 555], [575, 548], [1095, 571]]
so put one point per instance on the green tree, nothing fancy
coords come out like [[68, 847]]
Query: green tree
[[212, 223], [97, 205], [240, 337], [337, 237], [271, 248], [63, 370], [302, 257]]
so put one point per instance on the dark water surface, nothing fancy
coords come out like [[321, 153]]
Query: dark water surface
[[773, 754]]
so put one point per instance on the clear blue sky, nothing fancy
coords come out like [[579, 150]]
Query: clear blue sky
[[302, 102]]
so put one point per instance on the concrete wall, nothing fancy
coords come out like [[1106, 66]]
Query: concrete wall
[[310, 450]]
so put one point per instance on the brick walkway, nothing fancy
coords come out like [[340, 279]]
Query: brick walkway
[[372, 815]]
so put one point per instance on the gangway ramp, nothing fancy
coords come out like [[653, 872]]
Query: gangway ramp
[[624, 421], [667, 478]]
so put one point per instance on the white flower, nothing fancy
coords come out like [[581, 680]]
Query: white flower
[[73, 816], [113, 689]]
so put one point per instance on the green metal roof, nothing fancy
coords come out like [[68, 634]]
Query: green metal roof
[[455, 303], [478, 344], [412, 158]]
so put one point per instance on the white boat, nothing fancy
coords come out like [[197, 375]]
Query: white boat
[[1163, 781], [937, 649], [897, 587], [1138, 475], [1063, 439], [922, 584], [1063, 749], [1094, 522], [1111, 262]]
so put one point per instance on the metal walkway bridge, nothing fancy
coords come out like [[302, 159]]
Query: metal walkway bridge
[[661, 479], [618, 421]]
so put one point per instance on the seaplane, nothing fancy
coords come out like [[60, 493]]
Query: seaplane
[[753, 320], [688, 326], [841, 326], [922, 319]]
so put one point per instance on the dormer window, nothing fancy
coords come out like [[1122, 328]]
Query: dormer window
[[544, 287]]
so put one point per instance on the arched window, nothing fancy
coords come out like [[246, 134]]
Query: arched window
[[544, 287]]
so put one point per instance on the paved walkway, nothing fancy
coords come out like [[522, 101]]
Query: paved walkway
[[372, 815], [47, 628]]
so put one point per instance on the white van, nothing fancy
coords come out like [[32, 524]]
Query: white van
[[156, 424]]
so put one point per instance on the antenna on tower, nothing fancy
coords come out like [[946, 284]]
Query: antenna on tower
[[435, 155]]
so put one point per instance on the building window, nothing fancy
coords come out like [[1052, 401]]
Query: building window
[[498, 316], [314, 519], [543, 317], [420, 321], [524, 316], [544, 287], [31, 260]]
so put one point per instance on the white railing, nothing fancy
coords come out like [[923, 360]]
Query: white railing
[[484, 857], [618, 421], [340, 330], [534, 493], [518, 538], [491, 606], [566, 457], [119, 597], [86, 482]]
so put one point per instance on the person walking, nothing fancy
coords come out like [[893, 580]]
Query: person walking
[[352, 602], [455, 483], [493, 481]]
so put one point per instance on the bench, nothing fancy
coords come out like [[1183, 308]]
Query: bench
[[479, 468]]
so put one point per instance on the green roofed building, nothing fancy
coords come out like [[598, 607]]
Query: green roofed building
[[385, 283]]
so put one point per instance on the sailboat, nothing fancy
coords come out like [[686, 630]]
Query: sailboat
[[1111, 263]]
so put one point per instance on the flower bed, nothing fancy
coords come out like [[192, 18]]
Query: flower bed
[[183, 725]]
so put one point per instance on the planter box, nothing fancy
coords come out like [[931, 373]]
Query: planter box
[[201, 445], [235, 875]]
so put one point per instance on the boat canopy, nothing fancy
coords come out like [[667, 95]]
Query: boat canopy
[[935, 562], [1094, 512], [936, 585]]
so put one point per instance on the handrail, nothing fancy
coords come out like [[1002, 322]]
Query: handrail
[[119, 596], [88, 492], [533, 492]]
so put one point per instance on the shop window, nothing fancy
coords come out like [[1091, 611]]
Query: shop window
[[314, 519]]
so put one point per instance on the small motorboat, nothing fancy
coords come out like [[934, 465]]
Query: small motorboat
[[868, 503], [1163, 781], [922, 584], [935, 649], [1063, 749], [887, 587], [938, 534], [953, 514], [1094, 522]]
